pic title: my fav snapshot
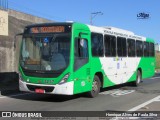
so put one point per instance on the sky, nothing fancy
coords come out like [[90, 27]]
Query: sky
[[116, 13]]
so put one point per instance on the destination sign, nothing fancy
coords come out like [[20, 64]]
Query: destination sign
[[50, 29]]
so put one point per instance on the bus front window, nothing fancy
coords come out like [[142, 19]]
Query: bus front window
[[45, 53]]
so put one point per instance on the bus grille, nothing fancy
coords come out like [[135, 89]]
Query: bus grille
[[46, 88]]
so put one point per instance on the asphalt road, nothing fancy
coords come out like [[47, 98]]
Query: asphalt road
[[120, 98]]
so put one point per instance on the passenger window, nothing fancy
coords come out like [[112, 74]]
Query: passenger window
[[151, 50], [121, 47], [97, 45], [139, 48], [110, 46], [131, 47], [146, 49]]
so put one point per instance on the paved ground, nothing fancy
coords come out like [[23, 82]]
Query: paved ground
[[146, 97]]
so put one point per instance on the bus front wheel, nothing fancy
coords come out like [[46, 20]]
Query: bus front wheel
[[95, 87]]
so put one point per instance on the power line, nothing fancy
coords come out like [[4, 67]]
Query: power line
[[93, 15]]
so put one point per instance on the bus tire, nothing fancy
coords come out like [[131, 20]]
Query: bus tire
[[95, 87], [138, 78]]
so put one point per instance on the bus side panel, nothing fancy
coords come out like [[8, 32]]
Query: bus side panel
[[133, 77], [148, 67], [81, 76], [147, 64], [97, 67], [107, 82]]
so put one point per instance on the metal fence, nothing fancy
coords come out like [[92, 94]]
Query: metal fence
[[4, 5]]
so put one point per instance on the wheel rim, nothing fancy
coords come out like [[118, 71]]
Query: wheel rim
[[95, 86], [138, 78]]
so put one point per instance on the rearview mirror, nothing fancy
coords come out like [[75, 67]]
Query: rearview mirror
[[17, 37]]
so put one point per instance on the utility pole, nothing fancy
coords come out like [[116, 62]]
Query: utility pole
[[93, 15]]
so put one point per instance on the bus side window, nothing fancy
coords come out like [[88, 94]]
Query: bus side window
[[139, 48], [81, 48], [151, 50], [80, 53], [131, 47], [97, 45], [110, 45], [146, 49], [121, 47]]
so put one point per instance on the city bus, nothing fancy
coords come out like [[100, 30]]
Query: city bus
[[71, 58]]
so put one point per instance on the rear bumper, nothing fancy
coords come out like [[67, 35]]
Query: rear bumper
[[63, 89]]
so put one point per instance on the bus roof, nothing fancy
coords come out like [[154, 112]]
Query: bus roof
[[116, 31], [104, 30]]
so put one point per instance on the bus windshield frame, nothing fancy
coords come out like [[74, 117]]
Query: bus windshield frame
[[45, 52], [32, 58]]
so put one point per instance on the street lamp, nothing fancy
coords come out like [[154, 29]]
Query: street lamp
[[93, 15]]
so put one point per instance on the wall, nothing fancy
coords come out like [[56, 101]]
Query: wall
[[27, 17], [16, 23], [3, 23]]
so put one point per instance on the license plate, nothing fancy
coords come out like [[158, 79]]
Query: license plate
[[39, 90]]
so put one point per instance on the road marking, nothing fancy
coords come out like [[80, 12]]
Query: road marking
[[117, 92], [154, 77], [144, 104], [15, 95]]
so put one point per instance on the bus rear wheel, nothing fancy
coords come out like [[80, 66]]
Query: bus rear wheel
[[138, 78], [95, 87]]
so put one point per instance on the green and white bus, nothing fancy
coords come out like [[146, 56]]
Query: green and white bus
[[71, 58]]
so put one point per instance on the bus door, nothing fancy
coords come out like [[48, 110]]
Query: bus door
[[110, 59], [121, 60], [81, 66]]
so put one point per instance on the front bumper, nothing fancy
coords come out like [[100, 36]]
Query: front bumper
[[63, 89]]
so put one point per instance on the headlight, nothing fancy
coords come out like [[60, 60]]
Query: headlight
[[64, 79]]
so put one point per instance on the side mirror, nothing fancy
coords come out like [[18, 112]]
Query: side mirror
[[17, 37]]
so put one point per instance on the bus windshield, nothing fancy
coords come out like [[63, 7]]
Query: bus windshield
[[45, 53]]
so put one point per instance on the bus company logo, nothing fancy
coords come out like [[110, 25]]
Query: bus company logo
[[6, 114], [21, 114], [143, 15], [39, 81]]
